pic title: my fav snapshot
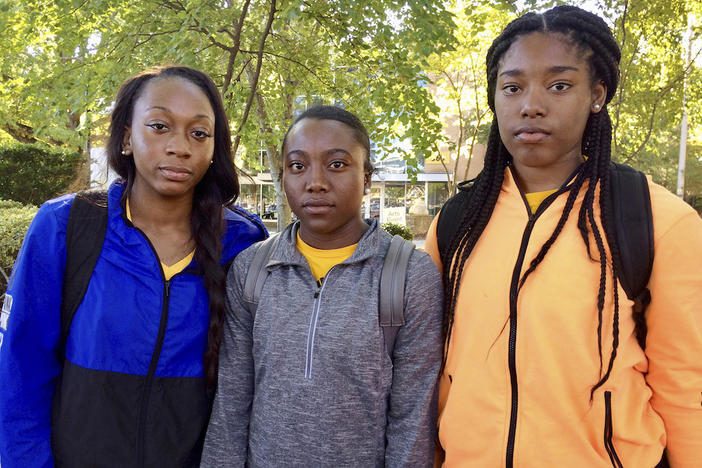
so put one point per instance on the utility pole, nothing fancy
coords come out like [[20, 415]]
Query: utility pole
[[683, 127]]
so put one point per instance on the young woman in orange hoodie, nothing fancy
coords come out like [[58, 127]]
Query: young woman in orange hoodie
[[542, 366]]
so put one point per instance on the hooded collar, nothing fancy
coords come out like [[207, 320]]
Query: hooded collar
[[116, 217]]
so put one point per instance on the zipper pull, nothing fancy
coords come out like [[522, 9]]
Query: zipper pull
[[319, 287], [168, 287]]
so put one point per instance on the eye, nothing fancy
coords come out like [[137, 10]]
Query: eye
[[510, 89], [560, 86], [201, 134], [296, 166], [337, 164], [158, 126]]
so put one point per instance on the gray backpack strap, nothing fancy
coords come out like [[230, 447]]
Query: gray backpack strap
[[392, 289], [257, 274]]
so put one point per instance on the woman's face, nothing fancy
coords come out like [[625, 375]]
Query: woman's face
[[324, 180], [171, 137], [543, 98]]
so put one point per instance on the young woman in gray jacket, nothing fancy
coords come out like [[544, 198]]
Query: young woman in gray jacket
[[305, 377]]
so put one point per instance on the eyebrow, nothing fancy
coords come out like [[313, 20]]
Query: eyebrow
[[552, 70], [327, 153], [165, 109]]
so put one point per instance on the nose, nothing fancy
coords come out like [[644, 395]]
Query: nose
[[317, 179], [178, 145], [533, 104]]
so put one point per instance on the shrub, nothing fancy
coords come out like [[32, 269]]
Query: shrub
[[14, 221], [400, 230], [32, 174]]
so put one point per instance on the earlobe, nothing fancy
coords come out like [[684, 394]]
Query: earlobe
[[126, 144], [600, 94]]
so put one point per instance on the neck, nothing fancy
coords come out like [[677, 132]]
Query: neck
[[346, 235], [149, 210], [537, 179]]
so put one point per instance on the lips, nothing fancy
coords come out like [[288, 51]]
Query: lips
[[531, 135], [175, 173], [317, 206]]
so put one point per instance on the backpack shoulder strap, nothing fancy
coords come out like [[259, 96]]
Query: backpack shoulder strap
[[85, 234], [257, 273], [391, 301], [633, 228], [450, 215]]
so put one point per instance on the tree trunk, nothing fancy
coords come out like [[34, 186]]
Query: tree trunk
[[273, 156]]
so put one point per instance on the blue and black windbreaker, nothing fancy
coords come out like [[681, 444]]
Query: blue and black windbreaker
[[131, 392]]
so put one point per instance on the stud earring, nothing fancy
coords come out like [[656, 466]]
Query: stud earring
[[366, 191], [124, 153], [596, 107]]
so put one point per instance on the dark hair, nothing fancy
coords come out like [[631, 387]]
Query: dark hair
[[593, 38], [340, 115], [218, 187]]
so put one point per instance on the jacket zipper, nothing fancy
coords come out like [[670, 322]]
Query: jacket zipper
[[313, 326], [608, 432], [146, 392], [512, 342]]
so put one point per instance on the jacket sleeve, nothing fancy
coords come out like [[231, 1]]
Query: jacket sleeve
[[411, 429], [674, 339], [29, 335], [226, 442]]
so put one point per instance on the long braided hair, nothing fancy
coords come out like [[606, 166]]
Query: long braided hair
[[219, 187], [593, 38]]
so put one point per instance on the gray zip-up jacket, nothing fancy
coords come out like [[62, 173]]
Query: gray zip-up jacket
[[305, 381]]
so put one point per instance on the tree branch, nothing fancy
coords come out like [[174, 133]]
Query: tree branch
[[235, 47], [296, 62], [664, 91], [253, 85]]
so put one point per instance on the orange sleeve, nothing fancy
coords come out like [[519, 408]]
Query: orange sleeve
[[674, 339]]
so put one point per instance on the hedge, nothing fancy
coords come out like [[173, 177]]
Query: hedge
[[400, 230], [32, 174], [14, 221]]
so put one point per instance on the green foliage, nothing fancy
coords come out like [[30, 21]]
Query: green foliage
[[693, 177], [459, 83], [14, 222], [381, 59], [33, 174], [398, 229], [367, 56]]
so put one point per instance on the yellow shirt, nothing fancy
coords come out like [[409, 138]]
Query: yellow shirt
[[322, 260], [535, 199], [168, 270]]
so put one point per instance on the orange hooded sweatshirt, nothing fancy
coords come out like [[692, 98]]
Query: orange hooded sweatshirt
[[536, 372]]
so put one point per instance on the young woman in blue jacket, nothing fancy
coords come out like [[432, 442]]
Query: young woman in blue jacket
[[131, 389]]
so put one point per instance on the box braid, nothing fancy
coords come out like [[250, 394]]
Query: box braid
[[594, 40]]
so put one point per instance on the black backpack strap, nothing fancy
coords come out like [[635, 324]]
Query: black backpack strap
[[85, 234], [257, 273], [450, 215], [391, 302], [633, 228]]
